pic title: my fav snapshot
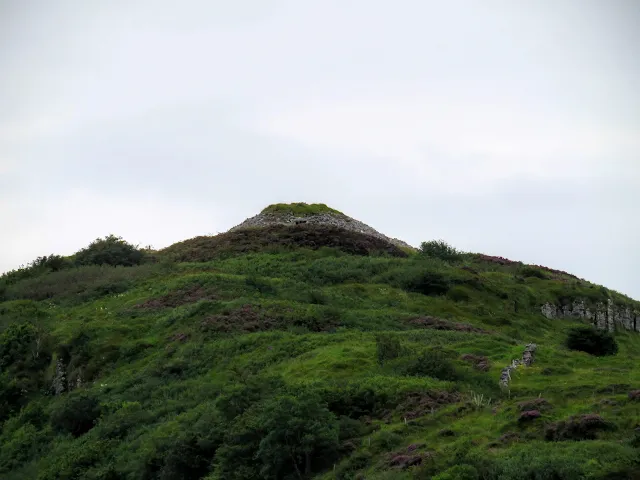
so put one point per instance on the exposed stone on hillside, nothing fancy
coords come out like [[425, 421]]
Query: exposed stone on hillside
[[59, 383], [337, 220], [527, 360], [604, 317]]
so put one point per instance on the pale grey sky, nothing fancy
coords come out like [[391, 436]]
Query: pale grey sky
[[509, 128]]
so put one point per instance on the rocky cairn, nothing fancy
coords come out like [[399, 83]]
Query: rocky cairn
[[312, 214]]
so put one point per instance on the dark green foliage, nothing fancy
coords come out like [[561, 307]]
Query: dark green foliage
[[458, 293], [110, 250], [432, 363], [75, 413], [440, 249], [592, 341], [287, 437], [24, 354], [348, 469], [388, 347], [80, 284], [529, 271], [426, 282]]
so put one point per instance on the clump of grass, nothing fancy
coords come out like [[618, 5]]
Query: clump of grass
[[301, 209]]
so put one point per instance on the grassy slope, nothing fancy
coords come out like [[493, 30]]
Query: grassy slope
[[159, 345]]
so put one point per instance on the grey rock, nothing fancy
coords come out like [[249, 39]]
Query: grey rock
[[330, 219], [604, 317], [527, 360], [549, 310], [60, 378]]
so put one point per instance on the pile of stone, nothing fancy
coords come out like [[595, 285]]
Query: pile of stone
[[337, 220], [527, 360]]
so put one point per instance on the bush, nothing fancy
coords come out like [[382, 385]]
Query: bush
[[286, 437], [75, 414], [432, 363], [459, 293], [528, 271], [387, 348], [440, 249], [592, 341], [110, 250], [425, 282], [459, 472], [347, 470]]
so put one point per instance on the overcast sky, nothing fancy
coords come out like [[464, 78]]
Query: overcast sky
[[505, 127]]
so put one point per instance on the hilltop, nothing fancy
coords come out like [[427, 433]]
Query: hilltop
[[303, 343]]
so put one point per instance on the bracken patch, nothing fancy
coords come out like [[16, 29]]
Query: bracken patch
[[582, 427], [177, 298], [436, 323], [245, 319], [418, 404]]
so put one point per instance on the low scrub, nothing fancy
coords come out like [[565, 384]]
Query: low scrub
[[592, 341]]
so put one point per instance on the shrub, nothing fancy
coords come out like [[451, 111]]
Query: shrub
[[459, 472], [440, 249], [459, 293], [432, 363], [286, 437], [110, 250], [592, 341], [347, 470], [386, 440], [75, 414], [387, 348], [528, 271], [425, 282]]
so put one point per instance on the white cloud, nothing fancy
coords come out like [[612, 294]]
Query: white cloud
[[447, 142]]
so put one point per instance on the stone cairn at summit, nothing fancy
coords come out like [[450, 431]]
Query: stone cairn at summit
[[328, 218]]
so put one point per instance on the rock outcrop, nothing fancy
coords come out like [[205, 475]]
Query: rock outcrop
[[338, 220], [604, 317], [59, 384], [527, 360]]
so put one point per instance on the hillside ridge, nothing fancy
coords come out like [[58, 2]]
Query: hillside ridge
[[302, 346]]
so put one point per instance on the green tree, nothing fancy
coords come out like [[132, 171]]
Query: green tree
[[592, 341], [110, 250], [299, 431], [440, 249]]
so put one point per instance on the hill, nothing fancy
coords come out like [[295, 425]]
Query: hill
[[302, 344]]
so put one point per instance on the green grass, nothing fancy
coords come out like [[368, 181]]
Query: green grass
[[300, 209], [186, 359]]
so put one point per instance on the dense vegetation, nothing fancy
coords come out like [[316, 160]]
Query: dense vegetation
[[237, 358]]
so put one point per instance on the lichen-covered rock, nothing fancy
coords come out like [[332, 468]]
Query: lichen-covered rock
[[549, 311], [603, 317]]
